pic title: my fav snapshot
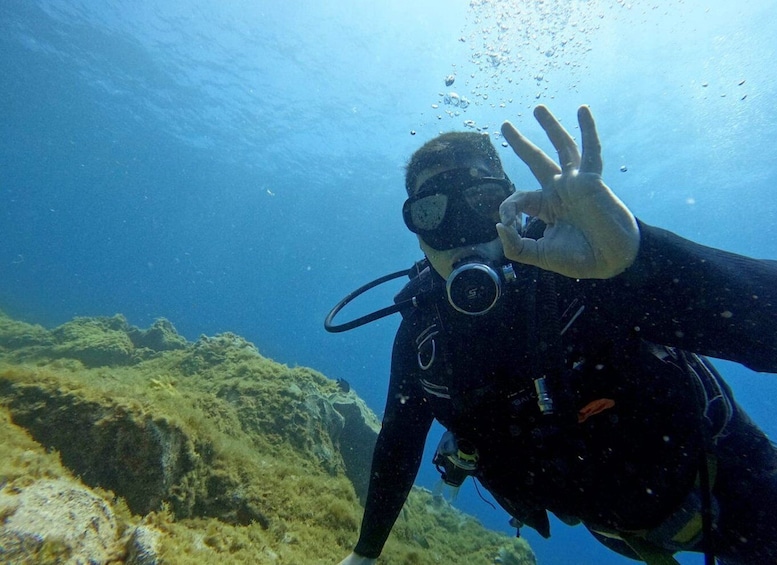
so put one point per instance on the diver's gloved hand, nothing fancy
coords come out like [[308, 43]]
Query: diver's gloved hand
[[354, 559], [590, 233]]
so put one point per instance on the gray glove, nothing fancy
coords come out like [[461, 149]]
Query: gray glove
[[354, 559]]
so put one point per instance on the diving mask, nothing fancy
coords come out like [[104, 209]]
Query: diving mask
[[456, 208]]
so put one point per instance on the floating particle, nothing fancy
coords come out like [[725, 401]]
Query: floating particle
[[505, 144], [741, 82], [705, 84], [412, 132], [745, 96], [624, 168], [450, 79]]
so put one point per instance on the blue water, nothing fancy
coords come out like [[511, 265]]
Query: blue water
[[238, 166]]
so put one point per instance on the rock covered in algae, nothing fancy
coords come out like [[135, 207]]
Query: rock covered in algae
[[56, 518], [203, 452], [94, 342], [50, 517]]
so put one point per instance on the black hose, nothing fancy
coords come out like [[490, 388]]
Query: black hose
[[382, 313]]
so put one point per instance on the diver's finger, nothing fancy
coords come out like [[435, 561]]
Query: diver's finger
[[530, 203], [517, 248], [568, 154], [591, 161], [541, 166]]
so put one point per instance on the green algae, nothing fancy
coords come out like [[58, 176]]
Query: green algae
[[230, 455]]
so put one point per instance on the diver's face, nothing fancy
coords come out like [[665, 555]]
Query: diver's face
[[443, 260]]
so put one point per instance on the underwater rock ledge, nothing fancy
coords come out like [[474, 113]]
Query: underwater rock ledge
[[193, 452]]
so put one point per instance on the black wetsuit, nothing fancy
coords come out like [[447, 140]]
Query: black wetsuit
[[619, 345]]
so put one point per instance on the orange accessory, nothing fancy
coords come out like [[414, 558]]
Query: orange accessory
[[594, 407]]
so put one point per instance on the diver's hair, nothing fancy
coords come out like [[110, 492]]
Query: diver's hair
[[452, 149]]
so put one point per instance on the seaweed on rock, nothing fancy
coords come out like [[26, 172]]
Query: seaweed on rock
[[200, 452]]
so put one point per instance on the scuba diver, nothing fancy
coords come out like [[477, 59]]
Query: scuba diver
[[563, 345]]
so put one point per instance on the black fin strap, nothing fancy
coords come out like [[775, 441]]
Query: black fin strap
[[705, 486]]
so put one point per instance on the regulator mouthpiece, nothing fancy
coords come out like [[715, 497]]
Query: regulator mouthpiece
[[474, 287]]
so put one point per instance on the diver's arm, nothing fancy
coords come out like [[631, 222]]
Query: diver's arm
[[398, 453], [698, 298]]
